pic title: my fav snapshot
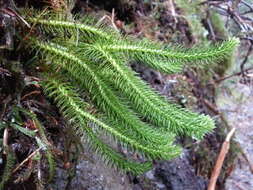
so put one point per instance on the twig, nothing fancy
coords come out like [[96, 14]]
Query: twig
[[246, 59], [220, 160], [211, 29], [25, 160], [111, 19], [235, 74], [211, 106], [238, 186], [5, 140], [248, 160], [5, 71], [231, 11], [39, 176], [31, 93], [33, 26], [171, 8], [13, 13], [247, 38], [247, 5]]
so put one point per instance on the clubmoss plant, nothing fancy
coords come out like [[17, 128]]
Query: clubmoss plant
[[89, 68]]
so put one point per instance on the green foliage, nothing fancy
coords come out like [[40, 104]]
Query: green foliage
[[10, 161], [7, 153], [47, 147], [89, 68], [193, 12], [73, 108], [23, 130], [39, 135], [221, 33]]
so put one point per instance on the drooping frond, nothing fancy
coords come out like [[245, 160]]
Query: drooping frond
[[120, 113], [169, 59], [148, 103], [105, 99], [53, 23], [114, 159], [165, 59], [72, 107], [95, 59], [163, 113]]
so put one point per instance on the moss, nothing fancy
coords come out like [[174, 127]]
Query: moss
[[193, 14], [220, 33]]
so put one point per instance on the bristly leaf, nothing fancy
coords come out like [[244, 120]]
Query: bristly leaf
[[52, 23], [170, 59], [148, 103], [107, 101], [95, 59], [69, 104], [73, 109]]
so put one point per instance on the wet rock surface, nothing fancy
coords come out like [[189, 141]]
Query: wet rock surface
[[93, 174], [179, 175], [235, 101]]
